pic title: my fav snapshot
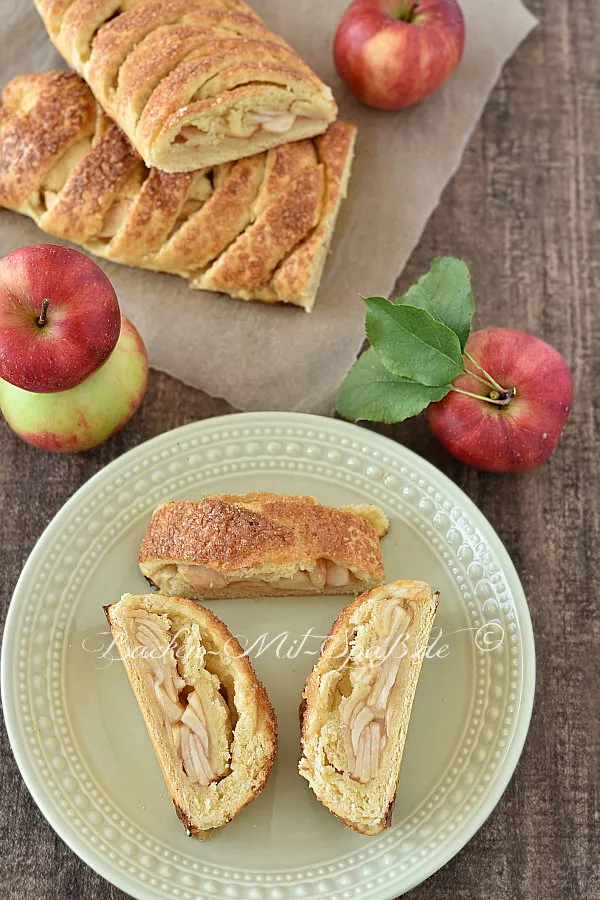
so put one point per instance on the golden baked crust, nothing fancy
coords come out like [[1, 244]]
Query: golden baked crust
[[291, 216], [42, 117], [300, 272], [259, 228], [211, 649], [254, 544], [192, 83], [345, 681]]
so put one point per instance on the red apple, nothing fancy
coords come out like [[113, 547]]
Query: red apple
[[518, 427], [393, 53], [59, 318]]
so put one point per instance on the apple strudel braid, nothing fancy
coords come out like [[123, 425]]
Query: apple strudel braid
[[262, 545], [259, 228], [192, 83], [358, 701], [209, 718]]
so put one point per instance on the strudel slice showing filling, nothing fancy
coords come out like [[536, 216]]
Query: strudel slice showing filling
[[262, 544], [209, 718], [358, 701], [192, 83]]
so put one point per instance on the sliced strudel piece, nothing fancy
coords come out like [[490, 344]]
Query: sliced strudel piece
[[259, 228], [261, 544], [358, 700], [192, 83], [209, 718]]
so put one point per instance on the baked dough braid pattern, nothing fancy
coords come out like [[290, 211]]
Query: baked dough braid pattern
[[192, 83], [258, 228]]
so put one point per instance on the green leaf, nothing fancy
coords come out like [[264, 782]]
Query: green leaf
[[410, 342], [445, 292], [370, 391]]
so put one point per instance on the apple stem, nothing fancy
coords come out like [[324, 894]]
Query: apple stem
[[487, 383], [43, 312], [502, 398], [492, 382], [406, 11]]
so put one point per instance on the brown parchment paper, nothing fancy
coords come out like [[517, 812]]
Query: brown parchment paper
[[263, 357]]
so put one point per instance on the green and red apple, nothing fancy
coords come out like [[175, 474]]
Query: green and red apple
[[73, 370], [89, 413]]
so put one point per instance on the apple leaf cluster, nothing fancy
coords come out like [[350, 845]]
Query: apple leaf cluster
[[417, 346]]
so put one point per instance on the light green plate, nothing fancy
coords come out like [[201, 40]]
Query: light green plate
[[79, 739]]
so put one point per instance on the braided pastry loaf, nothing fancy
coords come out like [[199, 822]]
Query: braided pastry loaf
[[259, 228], [192, 83]]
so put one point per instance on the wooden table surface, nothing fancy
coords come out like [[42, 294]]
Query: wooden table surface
[[523, 210]]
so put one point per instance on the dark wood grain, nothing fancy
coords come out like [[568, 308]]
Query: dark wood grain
[[523, 211]]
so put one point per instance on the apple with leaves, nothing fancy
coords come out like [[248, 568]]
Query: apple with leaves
[[511, 421], [393, 53], [497, 399]]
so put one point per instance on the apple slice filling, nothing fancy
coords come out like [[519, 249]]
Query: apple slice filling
[[196, 717], [275, 121], [325, 574], [365, 713]]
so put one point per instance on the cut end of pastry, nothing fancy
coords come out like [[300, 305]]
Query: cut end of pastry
[[358, 701], [372, 514], [261, 544], [250, 121], [209, 718]]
